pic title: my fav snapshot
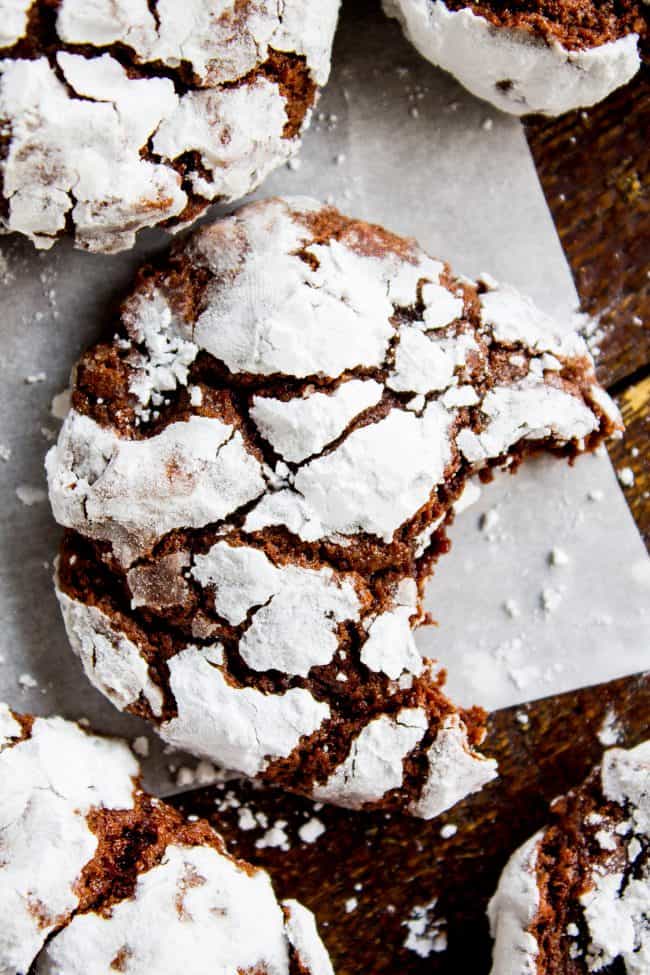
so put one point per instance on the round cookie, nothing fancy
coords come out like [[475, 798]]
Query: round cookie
[[545, 56], [121, 114], [575, 897], [256, 474], [96, 876]]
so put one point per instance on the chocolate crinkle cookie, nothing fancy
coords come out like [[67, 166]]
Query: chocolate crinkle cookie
[[575, 898], [255, 477], [96, 876], [546, 56], [122, 114]]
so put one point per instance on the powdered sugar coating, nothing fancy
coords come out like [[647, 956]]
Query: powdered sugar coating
[[611, 900], [293, 611], [512, 69], [616, 907], [14, 21], [265, 293], [196, 905], [111, 662], [616, 914], [378, 476], [168, 352], [512, 910], [455, 770], [68, 802], [390, 647], [213, 38], [236, 133], [303, 426], [526, 411], [516, 320], [424, 364], [262, 294], [239, 727], [625, 779], [375, 763], [303, 935], [112, 184], [9, 727], [49, 782], [128, 491], [92, 143]]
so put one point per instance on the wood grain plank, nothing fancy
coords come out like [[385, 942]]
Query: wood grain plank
[[594, 167], [632, 453]]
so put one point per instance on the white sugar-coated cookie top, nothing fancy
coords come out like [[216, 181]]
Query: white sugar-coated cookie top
[[133, 491], [96, 138], [244, 726], [220, 40], [49, 782], [294, 627], [196, 909], [514, 70], [613, 907], [192, 906]]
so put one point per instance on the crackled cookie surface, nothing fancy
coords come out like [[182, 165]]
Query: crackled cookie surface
[[256, 474], [96, 876], [547, 56], [122, 114], [576, 897]]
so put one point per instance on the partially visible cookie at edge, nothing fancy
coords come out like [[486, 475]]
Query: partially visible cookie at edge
[[575, 898], [96, 875], [121, 114], [524, 57], [256, 476]]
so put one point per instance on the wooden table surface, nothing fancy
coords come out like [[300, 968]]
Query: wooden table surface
[[366, 872]]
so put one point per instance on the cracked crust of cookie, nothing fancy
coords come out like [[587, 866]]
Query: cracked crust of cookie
[[256, 477]]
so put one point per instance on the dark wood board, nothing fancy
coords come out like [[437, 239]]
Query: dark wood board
[[594, 167], [633, 451]]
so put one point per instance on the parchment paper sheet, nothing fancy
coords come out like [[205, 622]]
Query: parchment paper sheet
[[398, 142]]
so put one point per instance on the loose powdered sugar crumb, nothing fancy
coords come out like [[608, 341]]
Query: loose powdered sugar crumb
[[427, 933], [311, 830], [610, 731], [29, 494]]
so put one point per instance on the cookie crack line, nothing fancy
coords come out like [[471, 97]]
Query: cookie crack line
[[256, 476]]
